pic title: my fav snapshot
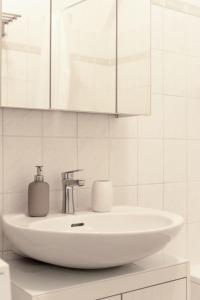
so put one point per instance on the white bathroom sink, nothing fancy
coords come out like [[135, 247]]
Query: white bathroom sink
[[99, 240]]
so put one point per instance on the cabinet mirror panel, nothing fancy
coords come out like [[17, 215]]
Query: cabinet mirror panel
[[84, 55], [133, 60], [25, 64], [76, 55]]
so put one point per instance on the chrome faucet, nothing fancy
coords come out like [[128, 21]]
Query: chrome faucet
[[68, 182]]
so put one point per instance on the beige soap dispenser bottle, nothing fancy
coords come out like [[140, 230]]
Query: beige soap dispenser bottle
[[38, 196]]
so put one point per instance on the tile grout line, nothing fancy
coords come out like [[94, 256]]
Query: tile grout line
[[163, 112], [138, 147], [107, 138], [187, 168], [109, 147], [115, 186], [3, 173], [42, 138], [77, 151]]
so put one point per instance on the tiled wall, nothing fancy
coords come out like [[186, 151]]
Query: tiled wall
[[153, 161]]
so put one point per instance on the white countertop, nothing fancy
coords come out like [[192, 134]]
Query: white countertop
[[36, 279]]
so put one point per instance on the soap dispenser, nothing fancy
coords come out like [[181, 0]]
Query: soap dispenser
[[38, 195]]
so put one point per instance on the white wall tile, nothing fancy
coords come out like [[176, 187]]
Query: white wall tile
[[150, 161], [15, 203], [193, 202], [60, 155], [59, 124], [93, 157], [175, 74], [193, 88], [125, 195], [193, 242], [194, 160], [157, 71], [175, 199], [95, 125], [21, 154], [84, 199], [193, 35], [174, 117], [150, 196], [152, 126], [174, 161], [157, 27], [123, 161], [174, 31], [22, 122], [193, 119], [123, 127], [55, 201]]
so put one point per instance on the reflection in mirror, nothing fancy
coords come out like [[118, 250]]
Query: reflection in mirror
[[133, 84], [84, 55], [26, 53]]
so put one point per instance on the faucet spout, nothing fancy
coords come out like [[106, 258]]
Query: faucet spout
[[68, 182]]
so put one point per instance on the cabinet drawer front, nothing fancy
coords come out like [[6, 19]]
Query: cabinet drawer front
[[169, 291]]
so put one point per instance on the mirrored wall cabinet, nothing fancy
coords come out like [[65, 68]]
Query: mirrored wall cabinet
[[25, 54], [76, 55]]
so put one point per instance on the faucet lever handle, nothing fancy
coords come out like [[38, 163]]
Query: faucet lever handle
[[70, 174]]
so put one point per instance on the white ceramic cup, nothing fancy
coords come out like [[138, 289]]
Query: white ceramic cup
[[102, 195]]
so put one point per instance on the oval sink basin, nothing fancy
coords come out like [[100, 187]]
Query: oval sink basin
[[92, 240]]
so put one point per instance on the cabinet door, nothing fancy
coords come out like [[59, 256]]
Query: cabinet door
[[133, 57], [25, 66], [169, 291], [84, 55]]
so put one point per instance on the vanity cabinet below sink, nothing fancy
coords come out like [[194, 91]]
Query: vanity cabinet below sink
[[168, 291], [156, 278]]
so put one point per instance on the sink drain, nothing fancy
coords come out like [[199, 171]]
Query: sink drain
[[77, 224]]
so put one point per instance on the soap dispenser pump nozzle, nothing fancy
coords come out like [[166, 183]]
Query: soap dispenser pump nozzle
[[39, 176]]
